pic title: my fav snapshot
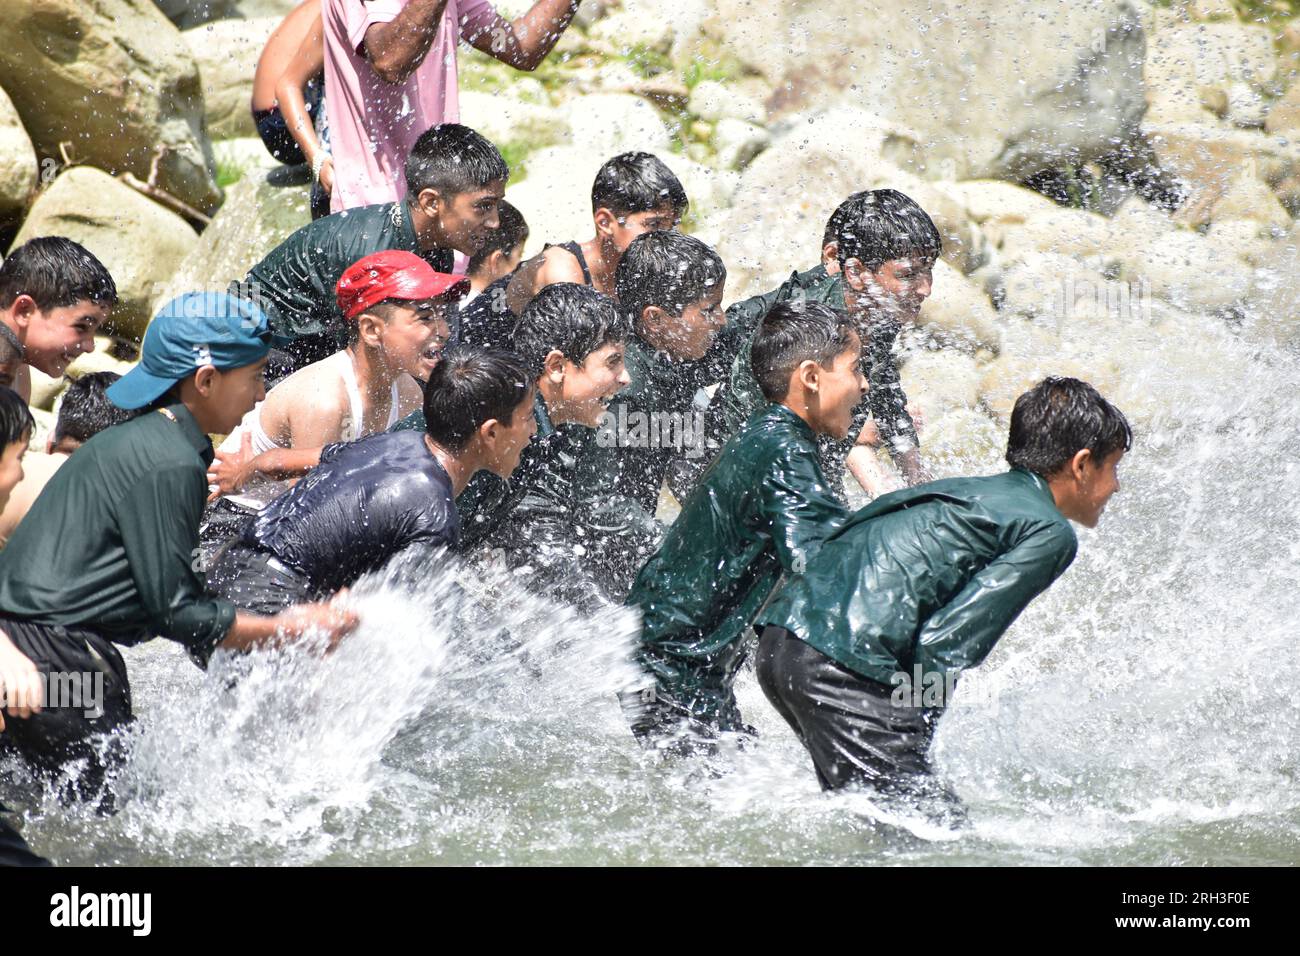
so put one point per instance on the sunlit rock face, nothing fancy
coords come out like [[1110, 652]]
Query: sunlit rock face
[[995, 90], [111, 84]]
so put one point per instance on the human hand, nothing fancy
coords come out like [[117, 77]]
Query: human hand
[[326, 177], [332, 619], [21, 690], [230, 471]]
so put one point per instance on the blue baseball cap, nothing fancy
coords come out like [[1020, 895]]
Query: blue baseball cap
[[189, 332]]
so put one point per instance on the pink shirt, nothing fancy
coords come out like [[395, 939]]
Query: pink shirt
[[374, 124]]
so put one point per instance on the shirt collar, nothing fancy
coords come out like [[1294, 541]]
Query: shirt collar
[[778, 412], [544, 425], [190, 429]]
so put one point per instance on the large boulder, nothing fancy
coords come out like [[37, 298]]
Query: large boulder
[[139, 241], [259, 213], [114, 83], [18, 167], [226, 53], [1026, 93], [958, 311]]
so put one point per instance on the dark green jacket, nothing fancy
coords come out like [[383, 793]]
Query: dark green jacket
[[929, 576], [763, 507], [295, 283], [885, 401], [111, 543], [535, 519]]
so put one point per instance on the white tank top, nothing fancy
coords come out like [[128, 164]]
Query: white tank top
[[261, 490]]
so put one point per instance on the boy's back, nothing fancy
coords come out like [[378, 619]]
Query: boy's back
[[367, 500], [929, 576]]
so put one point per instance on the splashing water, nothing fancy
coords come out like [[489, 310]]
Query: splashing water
[[1137, 713]]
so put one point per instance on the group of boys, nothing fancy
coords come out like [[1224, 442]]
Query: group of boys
[[540, 423]]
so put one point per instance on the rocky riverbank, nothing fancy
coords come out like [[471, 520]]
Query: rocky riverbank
[[1111, 177]]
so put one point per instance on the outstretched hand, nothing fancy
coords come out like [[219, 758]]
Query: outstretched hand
[[332, 619], [230, 471], [21, 691]]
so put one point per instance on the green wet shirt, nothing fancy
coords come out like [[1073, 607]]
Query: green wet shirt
[[295, 283], [762, 508], [929, 576], [110, 543], [885, 401]]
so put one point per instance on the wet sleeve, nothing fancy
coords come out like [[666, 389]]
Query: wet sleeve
[[159, 524], [800, 508], [475, 17], [888, 403], [961, 634]]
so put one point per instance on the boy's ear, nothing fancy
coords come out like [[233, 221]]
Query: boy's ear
[[1080, 462], [369, 329], [856, 274], [429, 200], [24, 309], [553, 366], [652, 317], [808, 375], [606, 221], [831, 257], [204, 379]]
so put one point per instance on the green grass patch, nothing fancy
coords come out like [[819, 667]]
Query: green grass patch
[[515, 153], [229, 173]]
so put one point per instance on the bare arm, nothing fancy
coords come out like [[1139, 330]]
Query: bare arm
[[252, 631], [397, 48], [307, 64], [21, 688], [866, 468], [526, 41], [537, 273]]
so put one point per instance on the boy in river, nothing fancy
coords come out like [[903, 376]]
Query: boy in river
[[106, 555], [762, 509], [858, 651], [386, 495]]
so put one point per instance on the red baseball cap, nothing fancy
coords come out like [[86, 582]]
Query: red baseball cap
[[393, 274]]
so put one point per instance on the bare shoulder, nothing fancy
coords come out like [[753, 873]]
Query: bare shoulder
[[306, 398], [546, 268]]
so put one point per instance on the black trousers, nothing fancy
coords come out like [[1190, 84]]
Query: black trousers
[[853, 728], [70, 727], [14, 850], [252, 579]]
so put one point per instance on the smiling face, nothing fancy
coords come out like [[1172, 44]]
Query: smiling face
[[56, 336], [409, 337], [585, 388], [840, 388]]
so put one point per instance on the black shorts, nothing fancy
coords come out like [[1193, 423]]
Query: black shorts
[[252, 579], [853, 728], [274, 130], [87, 706]]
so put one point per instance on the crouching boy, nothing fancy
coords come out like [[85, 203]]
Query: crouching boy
[[106, 555], [373, 499], [924, 582], [762, 508]]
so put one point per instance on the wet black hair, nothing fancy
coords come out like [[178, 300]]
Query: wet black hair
[[1058, 418], [56, 272], [467, 388], [453, 159], [84, 409], [512, 233], [793, 332], [573, 318], [637, 182], [15, 418], [878, 225], [668, 270]]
